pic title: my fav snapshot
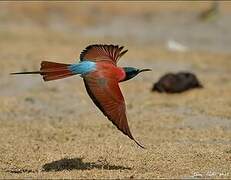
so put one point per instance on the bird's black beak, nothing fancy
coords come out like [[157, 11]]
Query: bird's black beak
[[142, 70]]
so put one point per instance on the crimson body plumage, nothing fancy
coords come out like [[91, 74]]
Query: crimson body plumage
[[101, 76]]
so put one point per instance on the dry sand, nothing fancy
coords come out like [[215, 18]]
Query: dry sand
[[53, 130]]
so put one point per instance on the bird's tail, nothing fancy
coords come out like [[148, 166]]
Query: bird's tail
[[51, 71]]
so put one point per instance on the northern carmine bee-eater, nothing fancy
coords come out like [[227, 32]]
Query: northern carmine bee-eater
[[101, 76]]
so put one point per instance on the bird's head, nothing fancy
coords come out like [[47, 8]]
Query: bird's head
[[132, 72]]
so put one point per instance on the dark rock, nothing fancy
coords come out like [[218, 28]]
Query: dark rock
[[176, 83]]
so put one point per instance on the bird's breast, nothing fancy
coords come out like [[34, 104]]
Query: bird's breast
[[110, 70]]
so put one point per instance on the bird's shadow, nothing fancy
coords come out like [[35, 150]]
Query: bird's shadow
[[78, 164]]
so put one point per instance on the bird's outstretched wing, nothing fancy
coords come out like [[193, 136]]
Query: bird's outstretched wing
[[106, 95], [98, 52]]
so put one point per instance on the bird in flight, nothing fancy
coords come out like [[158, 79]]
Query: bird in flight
[[101, 76]]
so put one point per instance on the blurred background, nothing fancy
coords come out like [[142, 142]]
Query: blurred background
[[187, 135], [197, 25]]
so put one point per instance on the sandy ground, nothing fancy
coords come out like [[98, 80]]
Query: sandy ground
[[53, 130]]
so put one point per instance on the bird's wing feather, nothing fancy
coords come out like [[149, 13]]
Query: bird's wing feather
[[106, 95], [98, 52]]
